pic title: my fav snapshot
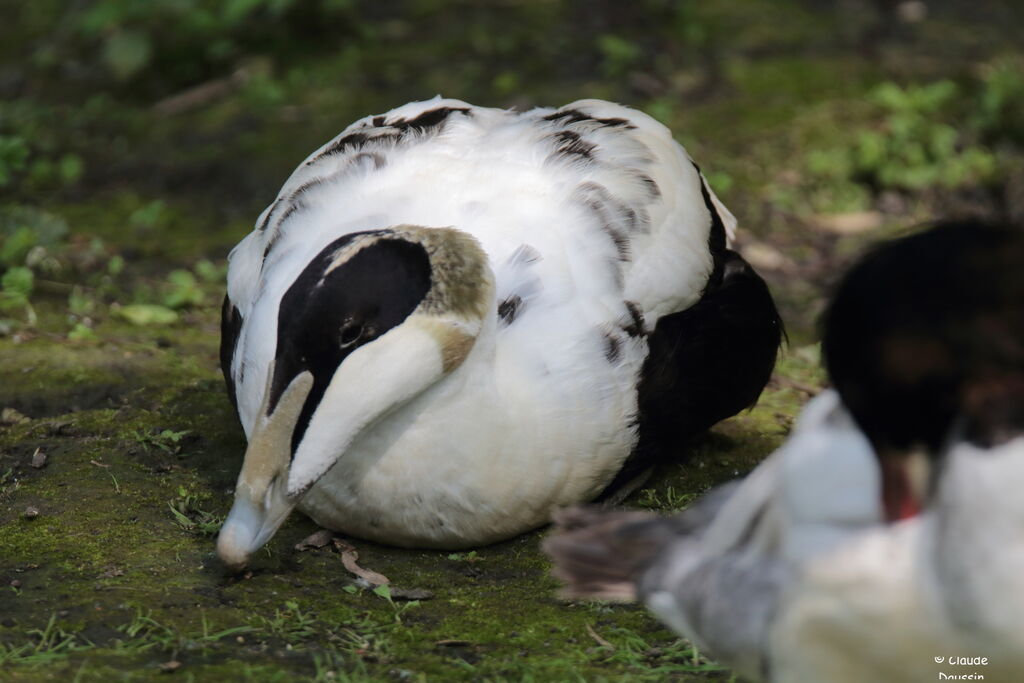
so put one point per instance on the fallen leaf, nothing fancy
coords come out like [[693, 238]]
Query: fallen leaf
[[147, 314], [39, 459], [764, 256], [340, 544], [452, 643], [349, 558], [850, 223], [202, 94], [411, 594], [315, 540], [170, 667], [600, 641]]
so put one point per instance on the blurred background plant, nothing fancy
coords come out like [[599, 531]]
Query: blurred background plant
[[938, 136], [138, 140]]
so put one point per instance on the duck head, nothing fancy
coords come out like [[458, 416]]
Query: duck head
[[371, 322], [924, 341]]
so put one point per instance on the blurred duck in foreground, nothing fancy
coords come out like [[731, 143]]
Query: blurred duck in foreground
[[888, 531]]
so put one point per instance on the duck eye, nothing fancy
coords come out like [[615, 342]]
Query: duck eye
[[350, 334]]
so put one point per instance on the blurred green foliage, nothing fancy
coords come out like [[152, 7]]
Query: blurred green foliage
[[941, 135], [919, 142], [13, 153], [159, 129], [178, 41], [998, 116]]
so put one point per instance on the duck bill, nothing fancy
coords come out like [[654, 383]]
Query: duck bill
[[371, 383], [261, 501], [905, 482], [251, 523]]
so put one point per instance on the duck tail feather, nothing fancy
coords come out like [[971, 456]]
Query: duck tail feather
[[601, 554]]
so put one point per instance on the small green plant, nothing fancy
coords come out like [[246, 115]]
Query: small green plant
[[150, 215], [290, 624], [8, 483], [15, 289], [167, 440], [363, 636], [145, 315], [36, 165], [915, 148], [13, 155], [209, 636], [16, 246], [115, 265], [81, 332], [998, 116], [668, 499], [619, 54], [144, 633], [677, 658], [923, 139], [188, 288], [327, 665], [47, 172], [80, 303], [182, 290], [190, 517], [211, 273], [384, 592], [471, 556], [47, 645]]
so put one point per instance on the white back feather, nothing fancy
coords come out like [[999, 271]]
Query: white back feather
[[495, 174]]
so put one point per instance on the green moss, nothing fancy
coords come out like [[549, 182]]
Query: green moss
[[106, 547]]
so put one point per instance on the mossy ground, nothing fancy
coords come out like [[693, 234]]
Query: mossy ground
[[106, 548], [115, 577]]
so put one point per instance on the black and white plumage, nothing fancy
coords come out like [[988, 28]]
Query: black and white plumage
[[794, 573], [454, 319]]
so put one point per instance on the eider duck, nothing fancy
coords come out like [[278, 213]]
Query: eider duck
[[454, 319], [834, 561]]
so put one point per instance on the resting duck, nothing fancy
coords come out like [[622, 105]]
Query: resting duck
[[888, 530], [454, 319]]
